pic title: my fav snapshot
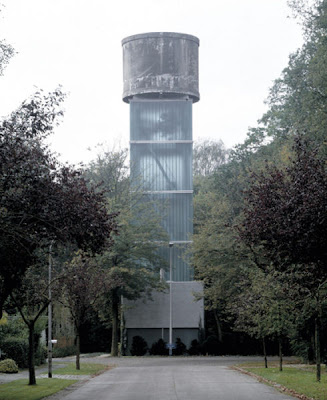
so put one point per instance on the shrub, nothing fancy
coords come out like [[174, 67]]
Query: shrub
[[180, 348], [63, 351], [41, 355], [17, 349], [211, 346], [195, 348], [159, 348], [8, 366], [139, 346]]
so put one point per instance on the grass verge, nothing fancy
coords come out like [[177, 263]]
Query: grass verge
[[86, 369], [297, 379], [20, 390]]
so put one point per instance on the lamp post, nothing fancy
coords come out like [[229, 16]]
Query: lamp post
[[50, 316], [170, 298]]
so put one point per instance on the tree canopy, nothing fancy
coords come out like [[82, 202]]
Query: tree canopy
[[41, 200]]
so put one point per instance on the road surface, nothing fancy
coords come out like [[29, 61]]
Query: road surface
[[175, 378]]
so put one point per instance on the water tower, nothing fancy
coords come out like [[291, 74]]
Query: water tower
[[161, 83]]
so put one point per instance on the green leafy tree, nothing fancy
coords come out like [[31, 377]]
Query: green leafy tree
[[208, 156], [285, 214], [297, 100], [83, 284], [265, 306], [32, 300], [133, 260]]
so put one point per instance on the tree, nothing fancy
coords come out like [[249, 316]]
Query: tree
[[285, 213], [215, 257], [84, 282], [32, 300], [265, 306], [6, 51], [208, 156], [297, 100], [40, 200], [133, 260]]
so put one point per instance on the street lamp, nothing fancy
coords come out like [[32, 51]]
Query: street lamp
[[170, 298], [50, 317]]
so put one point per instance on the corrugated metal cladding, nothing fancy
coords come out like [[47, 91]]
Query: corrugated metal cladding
[[161, 157], [161, 120], [177, 213], [181, 269]]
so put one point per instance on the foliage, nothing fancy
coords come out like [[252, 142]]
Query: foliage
[[41, 200], [208, 156], [133, 261], [83, 283], [63, 351], [180, 348], [18, 349], [19, 390], [285, 214], [139, 346], [195, 348], [31, 301], [8, 366], [14, 327], [285, 211], [6, 51], [297, 100], [263, 307], [211, 346], [159, 348]]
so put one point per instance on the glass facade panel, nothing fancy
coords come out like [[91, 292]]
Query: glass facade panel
[[166, 170], [161, 120], [162, 166], [177, 213], [181, 270]]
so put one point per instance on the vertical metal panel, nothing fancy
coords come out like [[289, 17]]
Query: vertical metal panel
[[163, 166], [161, 120], [161, 158]]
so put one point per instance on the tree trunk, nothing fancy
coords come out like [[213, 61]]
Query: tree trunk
[[317, 348], [219, 330], [280, 348], [264, 352], [31, 354], [78, 349], [114, 320]]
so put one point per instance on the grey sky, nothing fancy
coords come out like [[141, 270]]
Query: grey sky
[[244, 45]]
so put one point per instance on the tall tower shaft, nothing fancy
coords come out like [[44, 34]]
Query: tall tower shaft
[[161, 82]]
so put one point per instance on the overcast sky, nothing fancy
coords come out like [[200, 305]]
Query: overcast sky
[[244, 45]]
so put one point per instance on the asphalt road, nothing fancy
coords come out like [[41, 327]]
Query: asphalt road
[[189, 378]]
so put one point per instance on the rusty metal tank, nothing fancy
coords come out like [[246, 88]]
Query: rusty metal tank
[[161, 64]]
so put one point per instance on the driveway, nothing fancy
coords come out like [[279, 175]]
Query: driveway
[[175, 378]]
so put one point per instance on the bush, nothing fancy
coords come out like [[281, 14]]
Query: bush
[[41, 355], [139, 346], [180, 348], [159, 348], [8, 366], [63, 351], [17, 349], [195, 348], [211, 346]]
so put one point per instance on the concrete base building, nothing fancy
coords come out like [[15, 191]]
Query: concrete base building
[[161, 84]]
